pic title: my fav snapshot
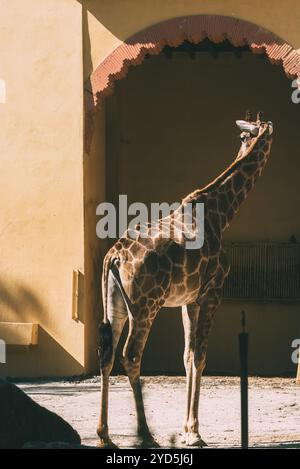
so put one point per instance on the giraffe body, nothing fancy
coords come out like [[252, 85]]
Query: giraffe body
[[162, 271], [144, 272]]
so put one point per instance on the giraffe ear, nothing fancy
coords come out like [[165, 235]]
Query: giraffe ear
[[270, 127]]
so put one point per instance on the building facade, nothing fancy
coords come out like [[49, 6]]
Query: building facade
[[101, 98]]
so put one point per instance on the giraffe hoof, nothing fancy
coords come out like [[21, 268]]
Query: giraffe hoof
[[198, 442], [183, 439], [149, 443], [193, 439], [106, 444]]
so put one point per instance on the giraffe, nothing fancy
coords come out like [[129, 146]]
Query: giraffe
[[141, 274]]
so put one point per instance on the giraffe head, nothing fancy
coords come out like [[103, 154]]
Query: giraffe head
[[252, 130]]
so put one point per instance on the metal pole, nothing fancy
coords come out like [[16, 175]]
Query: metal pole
[[243, 347]]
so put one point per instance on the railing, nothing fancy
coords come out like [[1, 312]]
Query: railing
[[263, 271]]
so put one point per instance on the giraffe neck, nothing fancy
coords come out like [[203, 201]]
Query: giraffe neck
[[226, 193], [233, 188]]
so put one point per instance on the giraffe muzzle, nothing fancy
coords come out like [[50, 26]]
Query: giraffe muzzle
[[245, 126]]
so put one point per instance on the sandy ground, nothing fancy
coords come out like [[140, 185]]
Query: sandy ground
[[274, 409]]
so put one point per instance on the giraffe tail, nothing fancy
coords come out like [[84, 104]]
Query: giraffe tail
[[105, 347]]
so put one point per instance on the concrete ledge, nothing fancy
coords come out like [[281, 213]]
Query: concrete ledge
[[19, 333]]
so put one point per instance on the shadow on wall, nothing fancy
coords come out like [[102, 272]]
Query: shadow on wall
[[109, 14], [48, 358], [104, 16], [86, 50], [18, 303]]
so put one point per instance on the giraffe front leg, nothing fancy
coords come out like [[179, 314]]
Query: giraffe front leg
[[197, 346], [192, 435], [190, 317], [131, 360]]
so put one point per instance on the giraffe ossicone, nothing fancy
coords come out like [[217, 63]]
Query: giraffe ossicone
[[142, 275]]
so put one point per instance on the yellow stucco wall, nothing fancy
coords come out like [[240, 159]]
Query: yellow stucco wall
[[41, 181], [48, 186]]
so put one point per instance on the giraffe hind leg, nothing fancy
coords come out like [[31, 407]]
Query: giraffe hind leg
[[108, 340], [131, 360], [139, 328]]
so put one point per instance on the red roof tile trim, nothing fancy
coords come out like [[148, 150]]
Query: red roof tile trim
[[173, 32]]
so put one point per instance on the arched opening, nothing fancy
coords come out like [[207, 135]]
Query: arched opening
[[170, 128], [194, 29]]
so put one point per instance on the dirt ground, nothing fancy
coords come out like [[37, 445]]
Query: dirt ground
[[274, 409]]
